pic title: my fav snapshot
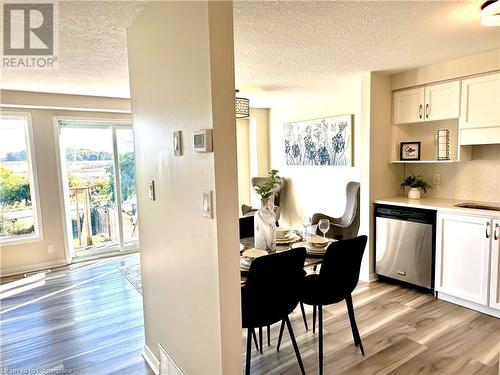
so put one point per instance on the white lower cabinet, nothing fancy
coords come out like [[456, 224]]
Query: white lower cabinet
[[463, 257]]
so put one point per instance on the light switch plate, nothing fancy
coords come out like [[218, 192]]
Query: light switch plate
[[152, 194], [177, 143], [206, 204]]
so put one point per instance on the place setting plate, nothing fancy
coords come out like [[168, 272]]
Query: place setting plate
[[315, 246], [248, 256], [285, 236]]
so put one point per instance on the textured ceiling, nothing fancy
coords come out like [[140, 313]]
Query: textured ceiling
[[287, 47], [92, 51], [280, 47]]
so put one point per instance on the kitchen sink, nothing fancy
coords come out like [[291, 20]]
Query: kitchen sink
[[479, 206]]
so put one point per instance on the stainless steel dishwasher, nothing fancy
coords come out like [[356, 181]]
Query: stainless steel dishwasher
[[405, 244]]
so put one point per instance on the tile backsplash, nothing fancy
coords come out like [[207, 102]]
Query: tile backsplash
[[477, 179]]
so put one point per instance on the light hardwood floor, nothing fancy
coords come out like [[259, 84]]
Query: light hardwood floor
[[87, 319], [403, 332]]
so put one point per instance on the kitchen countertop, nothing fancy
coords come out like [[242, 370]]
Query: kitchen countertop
[[441, 204]]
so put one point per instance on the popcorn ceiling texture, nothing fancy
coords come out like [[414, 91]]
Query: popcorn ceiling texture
[[92, 51], [281, 47]]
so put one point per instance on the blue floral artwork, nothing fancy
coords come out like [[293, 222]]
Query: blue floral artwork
[[326, 141]]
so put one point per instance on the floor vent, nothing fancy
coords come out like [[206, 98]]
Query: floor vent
[[167, 364]]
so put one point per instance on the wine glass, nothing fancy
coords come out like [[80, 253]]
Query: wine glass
[[306, 223], [324, 226]]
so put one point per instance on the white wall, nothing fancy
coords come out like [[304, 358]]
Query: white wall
[[15, 258], [243, 147], [312, 189], [380, 178], [182, 78], [253, 152]]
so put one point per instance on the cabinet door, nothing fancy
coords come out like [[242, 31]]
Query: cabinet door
[[480, 102], [462, 257], [442, 101], [408, 106], [495, 267]]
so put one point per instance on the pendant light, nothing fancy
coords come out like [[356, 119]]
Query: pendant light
[[490, 13], [242, 106]]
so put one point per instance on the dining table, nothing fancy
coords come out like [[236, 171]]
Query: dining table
[[311, 261]]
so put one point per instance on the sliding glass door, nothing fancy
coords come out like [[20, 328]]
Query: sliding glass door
[[98, 177]]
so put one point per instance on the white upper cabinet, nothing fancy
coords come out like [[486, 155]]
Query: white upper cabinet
[[429, 103], [408, 106], [462, 257], [481, 102], [495, 267], [442, 101], [480, 112]]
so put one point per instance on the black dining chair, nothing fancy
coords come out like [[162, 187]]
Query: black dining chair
[[337, 278], [271, 293], [246, 227]]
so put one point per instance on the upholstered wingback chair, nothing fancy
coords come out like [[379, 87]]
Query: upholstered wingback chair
[[278, 189], [347, 226]]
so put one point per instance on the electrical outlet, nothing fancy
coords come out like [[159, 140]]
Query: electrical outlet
[[51, 248], [436, 179]]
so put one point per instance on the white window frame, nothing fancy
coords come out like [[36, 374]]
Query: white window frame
[[34, 186], [62, 176]]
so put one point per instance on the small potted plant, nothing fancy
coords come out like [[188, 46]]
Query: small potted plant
[[267, 188], [416, 184]]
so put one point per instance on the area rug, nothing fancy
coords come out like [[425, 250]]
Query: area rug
[[133, 275]]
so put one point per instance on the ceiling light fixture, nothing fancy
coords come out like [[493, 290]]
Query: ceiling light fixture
[[490, 13], [242, 106]]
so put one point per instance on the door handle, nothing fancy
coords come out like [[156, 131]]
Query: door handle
[[427, 110], [420, 108], [496, 234], [488, 229]]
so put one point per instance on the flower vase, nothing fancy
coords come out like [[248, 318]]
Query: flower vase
[[265, 226]]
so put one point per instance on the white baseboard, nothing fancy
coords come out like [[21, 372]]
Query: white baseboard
[[32, 268], [468, 304], [152, 361]]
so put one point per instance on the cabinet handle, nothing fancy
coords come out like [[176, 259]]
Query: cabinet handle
[[420, 108], [488, 230], [427, 110], [496, 235]]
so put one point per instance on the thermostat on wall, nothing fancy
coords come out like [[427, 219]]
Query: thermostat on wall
[[202, 140]]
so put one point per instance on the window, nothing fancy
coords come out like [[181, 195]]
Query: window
[[19, 216]]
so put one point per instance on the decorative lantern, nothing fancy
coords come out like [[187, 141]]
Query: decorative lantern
[[443, 144]]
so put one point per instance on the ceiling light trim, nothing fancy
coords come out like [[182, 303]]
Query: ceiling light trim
[[490, 13]]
